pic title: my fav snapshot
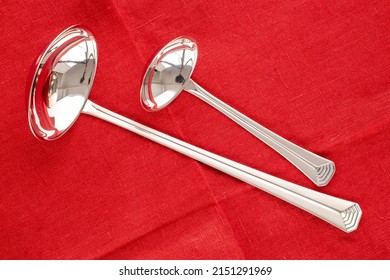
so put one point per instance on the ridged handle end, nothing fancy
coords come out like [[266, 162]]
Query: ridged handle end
[[324, 173], [351, 217]]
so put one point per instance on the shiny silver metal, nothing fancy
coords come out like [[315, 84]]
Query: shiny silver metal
[[61, 83], [169, 73], [59, 93]]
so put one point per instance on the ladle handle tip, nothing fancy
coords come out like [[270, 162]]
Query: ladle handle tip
[[351, 217]]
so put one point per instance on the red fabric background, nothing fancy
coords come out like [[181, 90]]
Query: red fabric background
[[316, 72]]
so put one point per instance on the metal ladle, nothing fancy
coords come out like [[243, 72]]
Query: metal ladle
[[169, 73], [59, 93]]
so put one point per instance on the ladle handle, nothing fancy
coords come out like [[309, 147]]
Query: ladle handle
[[318, 169], [343, 214]]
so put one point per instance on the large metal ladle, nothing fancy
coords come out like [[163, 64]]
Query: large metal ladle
[[59, 93], [169, 73]]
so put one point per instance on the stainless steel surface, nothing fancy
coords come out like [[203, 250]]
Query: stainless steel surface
[[49, 119], [170, 72], [62, 82], [341, 213]]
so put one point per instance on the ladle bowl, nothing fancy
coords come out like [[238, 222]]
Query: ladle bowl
[[170, 72], [59, 93], [62, 83]]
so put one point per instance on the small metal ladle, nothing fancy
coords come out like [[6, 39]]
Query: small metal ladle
[[170, 72]]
